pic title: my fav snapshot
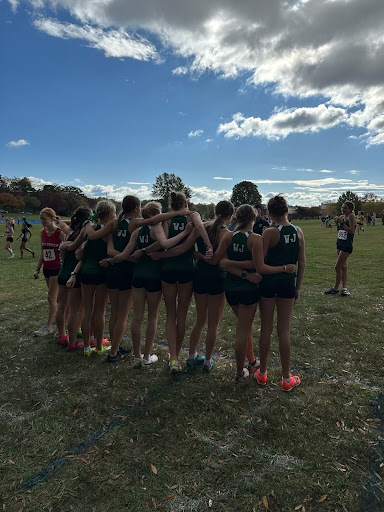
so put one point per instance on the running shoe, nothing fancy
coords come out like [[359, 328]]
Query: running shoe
[[294, 381], [345, 292], [243, 377], [62, 340], [261, 379], [114, 359], [175, 366], [103, 349], [12, 256], [252, 368], [87, 351], [192, 364], [147, 363], [106, 343], [43, 331], [33, 254], [79, 334], [72, 347], [331, 291], [208, 367], [137, 362]]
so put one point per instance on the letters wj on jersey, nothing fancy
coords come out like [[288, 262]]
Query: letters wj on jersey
[[290, 238], [144, 239], [178, 226], [122, 232], [238, 247]]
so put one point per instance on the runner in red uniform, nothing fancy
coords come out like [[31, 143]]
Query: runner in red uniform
[[51, 237]]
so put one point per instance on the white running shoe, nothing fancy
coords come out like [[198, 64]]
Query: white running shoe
[[175, 366], [43, 331], [243, 377], [147, 363], [12, 255]]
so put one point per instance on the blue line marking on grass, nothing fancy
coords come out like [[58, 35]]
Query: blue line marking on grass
[[83, 446]]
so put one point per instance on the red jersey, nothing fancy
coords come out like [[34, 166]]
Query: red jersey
[[50, 244]]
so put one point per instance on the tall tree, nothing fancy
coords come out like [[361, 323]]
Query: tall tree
[[245, 192], [165, 184], [349, 196]]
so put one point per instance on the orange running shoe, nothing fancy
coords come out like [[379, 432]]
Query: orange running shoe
[[261, 379], [294, 381]]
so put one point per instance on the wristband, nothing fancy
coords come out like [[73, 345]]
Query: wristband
[[285, 268], [110, 262], [144, 249]]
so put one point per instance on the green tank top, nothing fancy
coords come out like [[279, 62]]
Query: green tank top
[[238, 251], [121, 237], [94, 251], [185, 261], [344, 239], [284, 252], [146, 268], [68, 266]]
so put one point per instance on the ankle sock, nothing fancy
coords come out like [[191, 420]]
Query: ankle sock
[[192, 357]]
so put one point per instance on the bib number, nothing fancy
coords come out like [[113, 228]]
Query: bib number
[[342, 234], [49, 255]]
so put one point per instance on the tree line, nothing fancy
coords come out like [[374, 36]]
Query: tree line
[[18, 194]]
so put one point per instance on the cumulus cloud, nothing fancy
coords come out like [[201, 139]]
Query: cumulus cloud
[[196, 133], [114, 43], [283, 123], [38, 182], [18, 143], [300, 48]]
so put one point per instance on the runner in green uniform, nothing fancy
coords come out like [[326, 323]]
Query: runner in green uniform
[[346, 225], [69, 298], [283, 248], [119, 277], [177, 279], [208, 287]]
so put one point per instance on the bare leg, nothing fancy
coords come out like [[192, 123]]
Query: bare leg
[[153, 302], [340, 264], [267, 308], [101, 296], [62, 309], [74, 299], [124, 305], [245, 316], [201, 300], [184, 296], [284, 313], [137, 320], [88, 294], [169, 293], [53, 290], [216, 305]]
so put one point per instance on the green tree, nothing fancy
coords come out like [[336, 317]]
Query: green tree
[[21, 185], [165, 184], [245, 192], [32, 203], [349, 196]]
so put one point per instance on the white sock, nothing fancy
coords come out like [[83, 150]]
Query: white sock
[[207, 362], [192, 357]]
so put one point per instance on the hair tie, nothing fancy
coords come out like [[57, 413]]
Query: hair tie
[[94, 216]]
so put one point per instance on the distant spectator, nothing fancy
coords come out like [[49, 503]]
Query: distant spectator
[[260, 224], [373, 218]]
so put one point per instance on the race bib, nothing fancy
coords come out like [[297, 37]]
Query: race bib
[[49, 255], [342, 234]]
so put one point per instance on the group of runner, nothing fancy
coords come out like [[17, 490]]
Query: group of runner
[[25, 236], [140, 256]]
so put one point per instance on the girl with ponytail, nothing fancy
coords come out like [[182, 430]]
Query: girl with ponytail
[[51, 237]]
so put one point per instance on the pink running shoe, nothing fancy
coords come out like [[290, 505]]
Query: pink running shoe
[[62, 340], [261, 379], [294, 381]]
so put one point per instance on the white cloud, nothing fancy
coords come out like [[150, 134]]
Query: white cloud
[[285, 122], [38, 182], [18, 143], [138, 183], [299, 48], [325, 171], [220, 178], [207, 195], [280, 168], [14, 4], [208, 140], [305, 170], [114, 43], [353, 172], [115, 192], [196, 133]]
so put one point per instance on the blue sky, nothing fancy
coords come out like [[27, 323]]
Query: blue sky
[[107, 95]]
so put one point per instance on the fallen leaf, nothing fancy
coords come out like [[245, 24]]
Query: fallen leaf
[[299, 507], [154, 469], [265, 502], [75, 412]]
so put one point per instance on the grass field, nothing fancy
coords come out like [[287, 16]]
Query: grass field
[[78, 434]]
